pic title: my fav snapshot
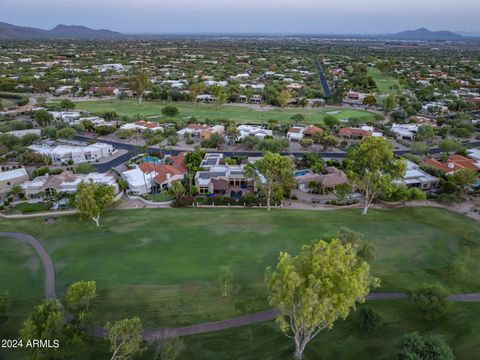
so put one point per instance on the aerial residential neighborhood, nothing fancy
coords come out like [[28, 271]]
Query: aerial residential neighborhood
[[239, 181]]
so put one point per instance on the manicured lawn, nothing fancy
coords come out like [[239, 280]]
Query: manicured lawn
[[203, 111], [32, 207], [384, 83], [22, 278], [163, 264], [346, 341], [162, 197]]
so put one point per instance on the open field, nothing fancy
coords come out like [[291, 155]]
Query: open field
[[240, 114], [384, 83], [163, 265]]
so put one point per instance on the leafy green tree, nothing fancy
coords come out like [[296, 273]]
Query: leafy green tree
[[331, 121], [220, 94], [312, 290], [462, 181], [328, 141], [66, 133], [343, 190], [449, 145], [306, 142], [428, 347], [372, 167], [139, 83], [425, 132], [47, 322], [192, 162], [225, 280], [283, 98], [125, 337], [432, 301], [169, 349], [195, 90], [43, 117], [170, 111], [272, 145], [369, 100], [80, 295], [85, 168], [177, 189], [250, 142], [272, 173], [389, 103], [67, 104], [92, 198], [419, 148]]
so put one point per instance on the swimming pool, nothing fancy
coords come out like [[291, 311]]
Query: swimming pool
[[302, 172], [152, 159]]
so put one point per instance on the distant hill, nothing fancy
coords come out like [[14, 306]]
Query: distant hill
[[14, 32], [425, 34]]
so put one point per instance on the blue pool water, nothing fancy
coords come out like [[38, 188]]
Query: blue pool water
[[302, 172], [152, 159]]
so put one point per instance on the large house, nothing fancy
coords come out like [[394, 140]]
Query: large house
[[297, 133], [219, 178], [348, 133], [149, 175], [405, 131], [77, 153], [415, 177], [66, 182], [142, 126], [454, 163], [330, 180], [201, 130], [10, 178], [253, 130]]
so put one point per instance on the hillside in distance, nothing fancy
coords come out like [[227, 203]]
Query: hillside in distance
[[14, 32]]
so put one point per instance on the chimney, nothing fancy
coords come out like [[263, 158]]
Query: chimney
[[451, 165]]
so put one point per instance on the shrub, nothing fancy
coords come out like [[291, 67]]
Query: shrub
[[432, 301], [248, 199], [415, 346], [182, 201], [368, 319]]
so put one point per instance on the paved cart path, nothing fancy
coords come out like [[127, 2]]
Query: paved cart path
[[163, 333]]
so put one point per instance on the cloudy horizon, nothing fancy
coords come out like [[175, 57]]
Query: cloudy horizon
[[249, 16]]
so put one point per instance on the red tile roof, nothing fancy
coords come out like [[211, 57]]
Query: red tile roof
[[453, 164], [346, 131], [312, 129], [147, 124], [176, 168]]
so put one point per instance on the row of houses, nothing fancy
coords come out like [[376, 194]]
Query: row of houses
[[66, 182], [73, 152]]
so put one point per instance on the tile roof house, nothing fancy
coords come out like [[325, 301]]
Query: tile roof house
[[330, 180], [142, 126], [357, 133], [65, 182], [148, 175], [296, 133], [454, 163]]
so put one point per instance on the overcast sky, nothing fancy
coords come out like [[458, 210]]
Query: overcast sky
[[246, 16]]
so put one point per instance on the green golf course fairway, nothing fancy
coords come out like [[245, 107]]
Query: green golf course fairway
[[239, 114], [163, 266]]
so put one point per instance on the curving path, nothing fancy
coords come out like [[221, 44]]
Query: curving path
[[44, 258], [164, 333]]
